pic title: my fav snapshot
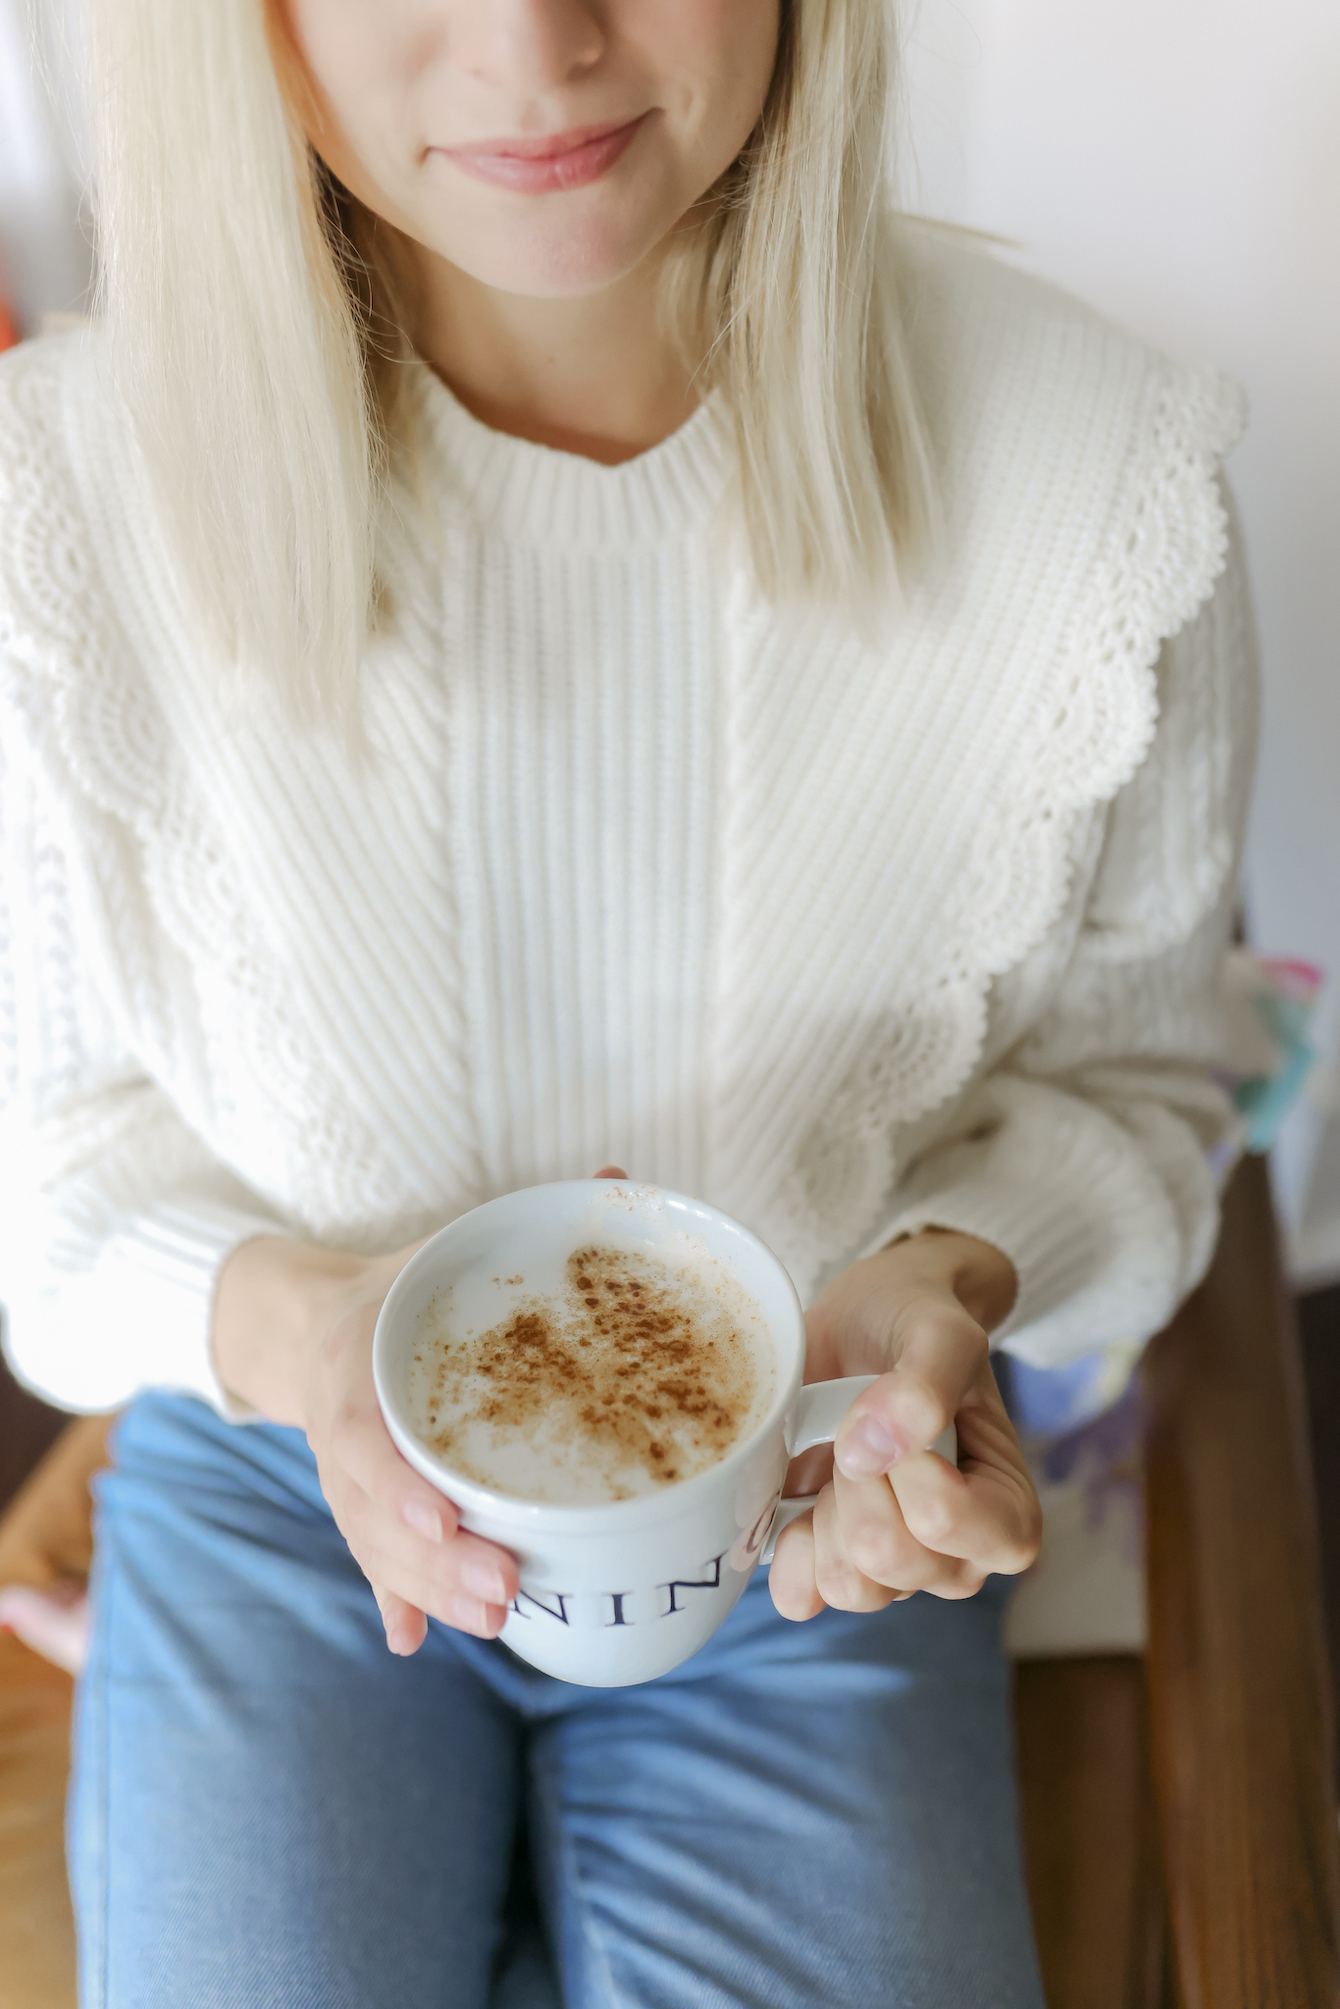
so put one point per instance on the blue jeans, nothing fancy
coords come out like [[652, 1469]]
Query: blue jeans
[[269, 1811]]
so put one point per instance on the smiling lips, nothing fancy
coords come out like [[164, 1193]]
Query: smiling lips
[[555, 161]]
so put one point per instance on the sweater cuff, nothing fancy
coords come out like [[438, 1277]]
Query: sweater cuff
[[158, 1279], [1064, 1191], [1027, 1222]]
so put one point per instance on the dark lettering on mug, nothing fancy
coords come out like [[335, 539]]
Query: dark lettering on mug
[[693, 1583], [555, 1603], [560, 1600]]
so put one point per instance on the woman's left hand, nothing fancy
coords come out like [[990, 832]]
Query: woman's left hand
[[894, 1518]]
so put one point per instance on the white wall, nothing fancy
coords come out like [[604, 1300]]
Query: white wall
[[45, 255], [1178, 163]]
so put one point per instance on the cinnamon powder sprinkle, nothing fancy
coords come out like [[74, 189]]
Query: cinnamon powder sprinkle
[[648, 1373]]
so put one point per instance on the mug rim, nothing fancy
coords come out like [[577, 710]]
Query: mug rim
[[604, 1516]]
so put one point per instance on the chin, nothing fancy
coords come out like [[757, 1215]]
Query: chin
[[556, 278], [542, 262]]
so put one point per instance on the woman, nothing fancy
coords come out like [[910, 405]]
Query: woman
[[548, 629]]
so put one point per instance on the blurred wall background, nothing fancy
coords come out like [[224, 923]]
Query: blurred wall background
[[45, 235], [1177, 162]]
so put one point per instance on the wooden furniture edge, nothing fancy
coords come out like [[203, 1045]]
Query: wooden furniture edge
[[1239, 1692]]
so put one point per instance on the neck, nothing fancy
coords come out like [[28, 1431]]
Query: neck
[[592, 375]]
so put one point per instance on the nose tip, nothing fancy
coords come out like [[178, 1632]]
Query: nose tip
[[532, 44]]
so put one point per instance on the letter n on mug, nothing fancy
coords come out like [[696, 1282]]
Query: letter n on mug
[[558, 1608], [703, 1582]]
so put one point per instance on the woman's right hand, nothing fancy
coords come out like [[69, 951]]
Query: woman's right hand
[[292, 1337]]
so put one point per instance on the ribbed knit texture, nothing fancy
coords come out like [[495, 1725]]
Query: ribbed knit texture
[[846, 936]]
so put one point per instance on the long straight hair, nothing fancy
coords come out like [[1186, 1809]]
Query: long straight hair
[[255, 311]]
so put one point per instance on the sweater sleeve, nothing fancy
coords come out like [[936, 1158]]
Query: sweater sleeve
[[1086, 1154], [114, 1214]]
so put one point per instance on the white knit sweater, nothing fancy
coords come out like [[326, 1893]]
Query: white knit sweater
[[847, 937]]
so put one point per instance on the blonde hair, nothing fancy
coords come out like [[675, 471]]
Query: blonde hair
[[255, 312]]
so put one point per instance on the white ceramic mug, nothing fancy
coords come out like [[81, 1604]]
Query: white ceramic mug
[[624, 1590]]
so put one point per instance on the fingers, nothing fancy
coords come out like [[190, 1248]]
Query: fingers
[[460, 1579], [357, 1440], [898, 1519], [819, 1562], [839, 1577], [417, 1528], [856, 1553], [922, 1526], [941, 1353], [406, 1536], [986, 1515], [791, 1577], [928, 1526], [406, 1626], [467, 1583], [610, 1172], [865, 1553], [866, 1544]]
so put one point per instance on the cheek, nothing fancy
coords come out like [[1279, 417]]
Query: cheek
[[718, 58], [334, 40], [350, 88]]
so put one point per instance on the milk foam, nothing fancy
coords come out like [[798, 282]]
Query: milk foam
[[579, 1377]]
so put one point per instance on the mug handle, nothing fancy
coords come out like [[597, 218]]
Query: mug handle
[[819, 1414]]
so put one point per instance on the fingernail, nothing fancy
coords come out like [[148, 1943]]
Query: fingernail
[[485, 1581], [470, 1613], [424, 1520], [867, 1450]]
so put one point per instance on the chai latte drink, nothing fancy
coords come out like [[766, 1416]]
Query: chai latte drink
[[615, 1373]]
